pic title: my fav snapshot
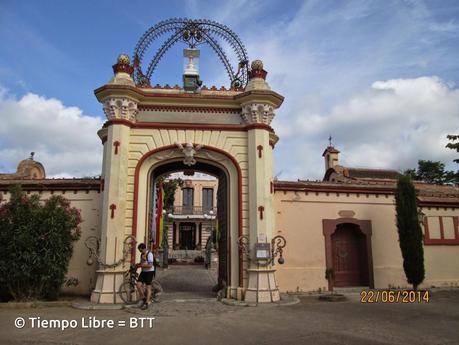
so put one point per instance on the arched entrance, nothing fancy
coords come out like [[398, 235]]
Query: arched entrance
[[214, 162], [348, 251], [187, 231]]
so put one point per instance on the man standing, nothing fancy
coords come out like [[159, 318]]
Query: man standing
[[146, 276]]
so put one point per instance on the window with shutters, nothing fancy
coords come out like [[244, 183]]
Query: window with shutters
[[188, 200], [207, 199]]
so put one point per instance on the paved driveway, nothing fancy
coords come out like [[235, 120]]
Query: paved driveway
[[205, 321], [188, 281]]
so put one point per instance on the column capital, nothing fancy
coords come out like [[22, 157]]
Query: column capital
[[257, 113], [120, 108]]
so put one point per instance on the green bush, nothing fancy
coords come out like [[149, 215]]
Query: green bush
[[36, 244]]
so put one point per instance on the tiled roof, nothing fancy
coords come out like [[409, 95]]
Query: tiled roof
[[428, 194], [370, 173]]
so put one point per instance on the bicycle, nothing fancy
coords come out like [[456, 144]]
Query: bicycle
[[129, 292]]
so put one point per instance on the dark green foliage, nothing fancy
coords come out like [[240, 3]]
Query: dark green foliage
[[36, 244], [169, 192], [330, 274], [409, 231], [411, 173], [453, 145], [432, 172]]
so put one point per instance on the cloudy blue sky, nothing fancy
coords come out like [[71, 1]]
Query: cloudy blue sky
[[380, 76]]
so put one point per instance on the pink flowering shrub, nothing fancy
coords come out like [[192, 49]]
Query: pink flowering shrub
[[36, 244]]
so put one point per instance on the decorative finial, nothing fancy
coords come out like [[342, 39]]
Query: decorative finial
[[123, 59], [31, 155], [123, 65], [330, 141], [257, 65], [257, 70]]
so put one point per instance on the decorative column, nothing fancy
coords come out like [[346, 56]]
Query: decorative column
[[114, 255], [258, 104]]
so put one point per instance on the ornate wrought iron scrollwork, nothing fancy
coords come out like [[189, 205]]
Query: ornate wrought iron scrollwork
[[193, 33], [93, 245], [278, 244], [243, 244]]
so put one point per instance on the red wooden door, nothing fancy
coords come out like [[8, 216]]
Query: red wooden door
[[346, 257]]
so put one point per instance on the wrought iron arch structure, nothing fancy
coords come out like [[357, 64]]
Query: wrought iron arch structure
[[192, 32]]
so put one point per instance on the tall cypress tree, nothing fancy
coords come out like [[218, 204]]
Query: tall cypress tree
[[409, 231]]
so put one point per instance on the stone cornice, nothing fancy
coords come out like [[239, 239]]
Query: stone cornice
[[191, 126], [260, 96], [152, 97], [205, 98], [308, 186], [177, 108]]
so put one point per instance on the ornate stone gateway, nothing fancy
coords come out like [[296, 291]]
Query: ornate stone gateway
[[225, 132]]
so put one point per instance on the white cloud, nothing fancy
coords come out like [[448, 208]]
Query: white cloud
[[393, 124], [320, 62], [64, 139], [324, 58]]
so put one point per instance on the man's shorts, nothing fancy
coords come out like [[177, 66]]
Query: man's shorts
[[146, 277]]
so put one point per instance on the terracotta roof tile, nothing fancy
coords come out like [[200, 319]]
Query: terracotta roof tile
[[370, 173]]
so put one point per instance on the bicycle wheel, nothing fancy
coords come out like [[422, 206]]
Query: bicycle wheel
[[156, 287], [129, 293]]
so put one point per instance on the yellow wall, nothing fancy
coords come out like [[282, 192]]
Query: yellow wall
[[298, 217], [299, 220], [441, 261]]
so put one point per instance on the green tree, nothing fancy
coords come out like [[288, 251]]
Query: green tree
[[36, 244], [432, 172], [169, 187], [409, 231], [453, 145], [411, 173]]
